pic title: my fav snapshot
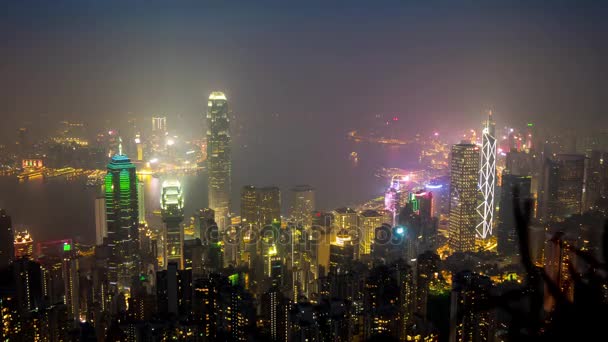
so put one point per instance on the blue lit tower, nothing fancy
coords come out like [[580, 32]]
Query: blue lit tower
[[122, 221], [172, 209], [218, 156]]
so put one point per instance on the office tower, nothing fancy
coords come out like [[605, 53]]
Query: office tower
[[236, 313], [173, 291], [559, 259], [273, 263], [275, 314], [520, 163], [441, 195], [260, 207], [24, 245], [463, 197], [205, 303], [305, 326], [71, 284], [425, 209], [470, 320], [214, 249], [139, 148], [596, 178], [302, 205], [122, 219], [270, 205], [101, 227], [341, 255], [218, 157], [206, 218], [369, 220], [172, 209], [387, 301], [345, 218], [6, 240], [194, 257], [487, 178], [27, 278], [427, 268], [159, 124], [562, 189], [507, 231], [249, 208]]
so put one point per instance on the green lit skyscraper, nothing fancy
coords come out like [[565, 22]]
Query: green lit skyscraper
[[122, 221], [218, 156]]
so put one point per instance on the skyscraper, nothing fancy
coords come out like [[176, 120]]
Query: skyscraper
[[487, 177], [369, 220], [24, 245], [172, 209], [470, 320], [260, 206], [562, 188], [249, 207], [6, 240], [303, 204], [463, 196], [122, 221], [159, 124], [218, 156], [596, 177], [270, 205], [507, 234], [345, 218]]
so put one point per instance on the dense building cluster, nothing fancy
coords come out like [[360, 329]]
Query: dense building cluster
[[425, 265]]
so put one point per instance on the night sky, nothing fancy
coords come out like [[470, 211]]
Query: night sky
[[314, 64]]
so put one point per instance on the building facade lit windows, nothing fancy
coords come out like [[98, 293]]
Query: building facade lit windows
[[463, 197], [219, 162]]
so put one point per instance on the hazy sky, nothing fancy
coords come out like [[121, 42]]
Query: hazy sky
[[324, 64]]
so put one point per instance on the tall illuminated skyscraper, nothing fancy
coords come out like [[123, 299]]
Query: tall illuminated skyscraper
[[260, 207], [270, 205], [463, 197], [369, 220], [218, 156], [122, 220], [172, 209], [487, 178], [249, 207], [303, 204], [24, 245]]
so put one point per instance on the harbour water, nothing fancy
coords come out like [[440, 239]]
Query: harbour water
[[61, 208]]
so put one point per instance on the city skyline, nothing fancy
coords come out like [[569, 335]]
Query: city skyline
[[319, 171]]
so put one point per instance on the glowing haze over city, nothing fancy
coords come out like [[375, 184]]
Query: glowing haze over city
[[303, 171]]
